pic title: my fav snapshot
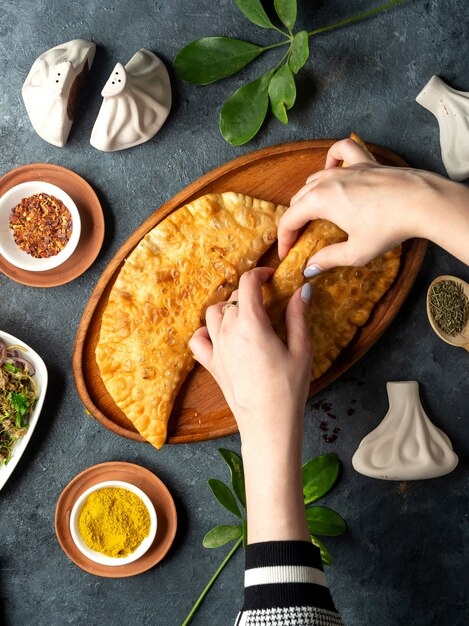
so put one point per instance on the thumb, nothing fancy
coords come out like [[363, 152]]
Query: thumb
[[296, 322], [202, 347], [335, 255]]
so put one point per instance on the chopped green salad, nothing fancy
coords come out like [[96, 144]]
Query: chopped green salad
[[17, 397]]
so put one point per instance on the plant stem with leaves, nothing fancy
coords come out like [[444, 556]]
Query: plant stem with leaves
[[318, 476], [210, 59], [211, 581]]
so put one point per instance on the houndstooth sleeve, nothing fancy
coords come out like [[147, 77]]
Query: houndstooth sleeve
[[285, 586]]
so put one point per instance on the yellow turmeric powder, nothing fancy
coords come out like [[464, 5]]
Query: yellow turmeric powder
[[114, 521]]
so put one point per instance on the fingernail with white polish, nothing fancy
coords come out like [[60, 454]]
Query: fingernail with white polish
[[312, 270], [307, 292]]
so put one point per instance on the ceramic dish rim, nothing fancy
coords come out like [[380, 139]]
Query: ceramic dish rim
[[41, 382]]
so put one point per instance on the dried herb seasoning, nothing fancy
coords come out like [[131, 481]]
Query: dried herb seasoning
[[449, 306], [41, 225]]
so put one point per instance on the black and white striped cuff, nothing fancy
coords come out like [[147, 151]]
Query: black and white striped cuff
[[285, 574]]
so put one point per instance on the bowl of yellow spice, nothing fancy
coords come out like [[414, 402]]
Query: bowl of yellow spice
[[113, 523]]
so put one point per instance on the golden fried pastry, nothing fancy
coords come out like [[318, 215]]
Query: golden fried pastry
[[343, 297], [191, 259]]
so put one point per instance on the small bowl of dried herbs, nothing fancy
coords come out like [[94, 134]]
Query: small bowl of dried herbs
[[39, 226], [448, 310], [113, 523]]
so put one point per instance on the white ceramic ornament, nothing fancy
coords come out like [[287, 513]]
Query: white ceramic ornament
[[137, 100], [451, 109], [406, 445], [52, 88]]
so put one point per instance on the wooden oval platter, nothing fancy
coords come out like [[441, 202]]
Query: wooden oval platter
[[200, 412]]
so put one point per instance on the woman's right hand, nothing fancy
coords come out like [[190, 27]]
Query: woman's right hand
[[377, 206]]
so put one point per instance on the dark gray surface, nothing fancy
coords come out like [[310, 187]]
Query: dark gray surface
[[404, 558]]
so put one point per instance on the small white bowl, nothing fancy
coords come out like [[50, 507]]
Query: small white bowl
[[8, 248], [98, 557]]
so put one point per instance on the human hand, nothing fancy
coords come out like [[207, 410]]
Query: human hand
[[264, 381], [377, 206]]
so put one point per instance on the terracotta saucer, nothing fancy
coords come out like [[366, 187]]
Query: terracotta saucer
[[92, 224], [149, 484]]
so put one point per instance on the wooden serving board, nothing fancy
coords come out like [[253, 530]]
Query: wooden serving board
[[200, 413]]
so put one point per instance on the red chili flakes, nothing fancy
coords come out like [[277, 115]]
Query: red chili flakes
[[41, 225]]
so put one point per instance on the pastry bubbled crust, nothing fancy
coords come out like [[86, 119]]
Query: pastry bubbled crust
[[343, 297], [191, 259]]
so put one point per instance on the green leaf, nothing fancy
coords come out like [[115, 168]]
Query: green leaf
[[324, 521], [235, 465], [12, 368], [20, 404], [212, 58], [325, 554], [286, 10], [282, 93], [299, 51], [224, 496], [319, 476], [219, 535], [254, 11], [243, 113]]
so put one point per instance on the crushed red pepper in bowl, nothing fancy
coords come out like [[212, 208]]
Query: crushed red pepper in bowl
[[41, 225]]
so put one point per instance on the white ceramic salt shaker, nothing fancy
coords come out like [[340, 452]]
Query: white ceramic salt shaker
[[52, 88], [137, 101], [406, 445], [451, 109]]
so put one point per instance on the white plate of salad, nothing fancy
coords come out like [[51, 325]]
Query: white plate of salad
[[23, 384]]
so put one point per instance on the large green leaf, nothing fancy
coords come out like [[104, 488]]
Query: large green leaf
[[325, 554], [299, 51], [245, 534], [243, 113], [254, 11], [235, 465], [282, 93], [212, 58], [319, 476], [224, 496], [219, 535], [324, 521], [286, 10]]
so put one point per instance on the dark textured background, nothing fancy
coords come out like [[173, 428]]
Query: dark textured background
[[404, 559]]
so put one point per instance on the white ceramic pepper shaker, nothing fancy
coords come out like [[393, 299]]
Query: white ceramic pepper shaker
[[52, 88], [136, 103], [406, 445]]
